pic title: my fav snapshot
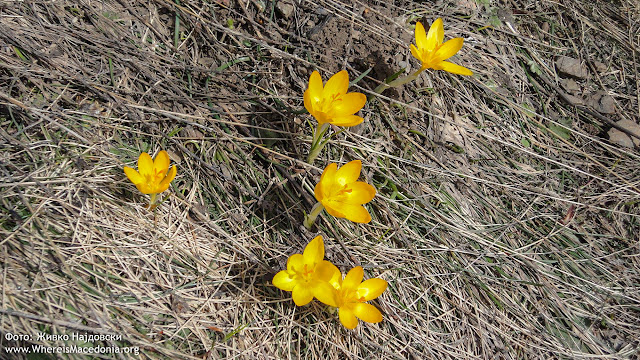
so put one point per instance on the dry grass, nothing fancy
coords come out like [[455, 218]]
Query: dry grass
[[505, 223]]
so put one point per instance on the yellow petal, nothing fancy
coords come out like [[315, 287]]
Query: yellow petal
[[325, 271], [353, 278], [415, 52], [315, 86], [347, 318], [367, 312], [372, 288], [308, 103], [346, 121], [133, 175], [454, 69], [164, 184], [448, 49], [327, 180], [302, 295], [295, 263], [349, 172], [161, 163], [325, 293], [283, 281], [336, 280], [337, 84], [349, 104], [361, 193], [314, 251], [421, 36], [144, 188], [435, 35], [334, 209], [356, 213], [145, 164]]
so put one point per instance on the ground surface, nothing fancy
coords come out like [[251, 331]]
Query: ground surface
[[506, 221]]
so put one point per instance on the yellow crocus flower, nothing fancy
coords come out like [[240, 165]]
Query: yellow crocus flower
[[430, 50], [308, 275], [332, 104], [153, 176], [339, 192], [349, 297]]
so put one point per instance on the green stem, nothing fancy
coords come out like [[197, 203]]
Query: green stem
[[397, 82], [310, 219], [152, 202], [317, 144]]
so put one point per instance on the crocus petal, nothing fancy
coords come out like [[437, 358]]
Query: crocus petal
[[314, 251], [361, 193], [435, 35], [325, 271], [415, 52], [315, 86], [349, 172], [164, 184], [295, 263], [421, 36], [308, 103], [334, 209], [325, 293], [448, 49], [144, 188], [326, 182], [349, 104], [367, 312], [161, 163], [347, 318], [302, 295], [454, 69], [356, 213], [346, 121], [133, 175], [353, 278], [372, 288], [145, 164], [283, 281], [337, 84]]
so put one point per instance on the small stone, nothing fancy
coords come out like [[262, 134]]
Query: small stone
[[603, 103], [618, 137], [311, 24], [322, 11], [546, 27], [571, 67], [600, 67], [571, 86], [285, 9], [574, 100]]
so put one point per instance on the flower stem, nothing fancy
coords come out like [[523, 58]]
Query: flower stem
[[397, 82], [310, 219], [317, 144], [152, 202]]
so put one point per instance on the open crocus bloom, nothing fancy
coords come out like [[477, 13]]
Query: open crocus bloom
[[430, 50], [342, 195], [308, 275], [351, 294], [152, 176], [332, 104]]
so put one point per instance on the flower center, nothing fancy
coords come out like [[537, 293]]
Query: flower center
[[348, 296], [326, 103], [341, 193]]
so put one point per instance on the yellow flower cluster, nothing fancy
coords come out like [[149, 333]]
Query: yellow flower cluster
[[309, 276]]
